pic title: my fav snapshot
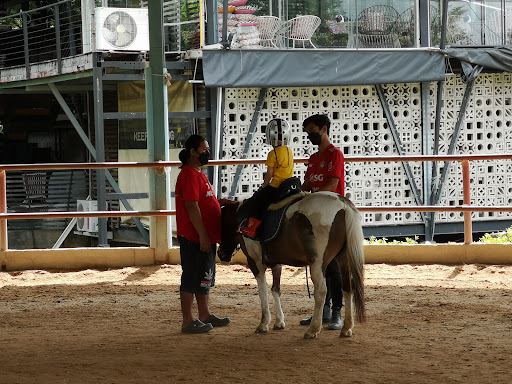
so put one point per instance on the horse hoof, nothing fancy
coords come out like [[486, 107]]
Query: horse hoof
[[262, 329], [279, 325], [346, 333]]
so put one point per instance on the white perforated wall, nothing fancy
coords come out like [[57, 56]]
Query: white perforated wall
[[359, 127], [487, 128]]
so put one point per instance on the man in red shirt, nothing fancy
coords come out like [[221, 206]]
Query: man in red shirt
[[326, 172], [198, 220]]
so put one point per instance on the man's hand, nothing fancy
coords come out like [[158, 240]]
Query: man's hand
[[195, 217], [224, 202], [205, 243]]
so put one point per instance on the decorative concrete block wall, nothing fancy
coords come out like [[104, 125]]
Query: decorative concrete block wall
[[359, 127]]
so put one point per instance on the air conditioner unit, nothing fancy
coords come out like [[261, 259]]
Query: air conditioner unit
[[87, 224], [121, 29]]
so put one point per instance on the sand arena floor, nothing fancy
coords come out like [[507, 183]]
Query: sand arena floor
[[426, 324]]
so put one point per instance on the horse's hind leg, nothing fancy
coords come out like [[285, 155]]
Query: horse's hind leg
[[348, 321], [258, 270], [318, 278], [276, 293]]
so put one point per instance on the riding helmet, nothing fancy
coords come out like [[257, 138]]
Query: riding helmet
[[278, 132]]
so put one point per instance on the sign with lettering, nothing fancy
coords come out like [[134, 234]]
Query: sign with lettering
[[133, 135]]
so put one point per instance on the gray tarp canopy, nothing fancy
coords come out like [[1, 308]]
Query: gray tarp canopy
[[499, 58], [319, 67]]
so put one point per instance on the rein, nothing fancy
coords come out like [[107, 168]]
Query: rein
[[307, 281]]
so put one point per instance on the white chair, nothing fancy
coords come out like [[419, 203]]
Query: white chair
[[268, 27], [302, 28], [377, 26]]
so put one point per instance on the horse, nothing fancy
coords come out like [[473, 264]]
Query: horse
[[315, 229]]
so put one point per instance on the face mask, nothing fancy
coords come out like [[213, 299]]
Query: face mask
[[204, 157], [315, 138]]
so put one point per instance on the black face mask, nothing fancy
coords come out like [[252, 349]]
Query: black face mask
[[315, 138], [204, 157]]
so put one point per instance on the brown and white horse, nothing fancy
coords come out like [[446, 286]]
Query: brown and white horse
[[316, 229]]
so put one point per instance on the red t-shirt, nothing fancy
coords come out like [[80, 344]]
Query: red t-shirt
[[331, 163], [192, 185]]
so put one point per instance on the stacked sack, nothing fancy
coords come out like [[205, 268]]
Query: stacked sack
[[242, 22]]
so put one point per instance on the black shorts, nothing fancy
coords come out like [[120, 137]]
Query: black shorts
[[198, 268]]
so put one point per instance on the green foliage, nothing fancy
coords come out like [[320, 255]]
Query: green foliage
[[374, 241], [328, 40], [497, 238]]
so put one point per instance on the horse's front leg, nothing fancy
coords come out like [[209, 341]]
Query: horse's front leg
[[276, 293], [258, 270], [319, 294]]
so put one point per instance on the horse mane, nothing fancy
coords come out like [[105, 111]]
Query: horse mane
[[290, 199]]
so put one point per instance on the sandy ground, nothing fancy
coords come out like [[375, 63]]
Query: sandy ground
[[426, 324]]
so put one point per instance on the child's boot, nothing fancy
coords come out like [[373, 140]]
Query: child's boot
[[251, 227]]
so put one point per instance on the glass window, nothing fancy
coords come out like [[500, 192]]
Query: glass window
[[473, 23]]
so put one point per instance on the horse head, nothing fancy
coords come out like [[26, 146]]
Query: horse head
[[230, 241]]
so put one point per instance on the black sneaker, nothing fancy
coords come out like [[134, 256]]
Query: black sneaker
[[307, 321], [335, 322], [197, 326], [217, 321]]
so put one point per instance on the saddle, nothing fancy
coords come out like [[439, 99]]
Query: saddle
[[274, 217], [288, 187], [288, 192]]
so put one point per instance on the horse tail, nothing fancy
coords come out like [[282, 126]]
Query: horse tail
[[355, 255]]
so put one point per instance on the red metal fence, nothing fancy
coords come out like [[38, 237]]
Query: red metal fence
[[466, 207]]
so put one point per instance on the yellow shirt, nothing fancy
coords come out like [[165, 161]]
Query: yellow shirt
[[283, 167]]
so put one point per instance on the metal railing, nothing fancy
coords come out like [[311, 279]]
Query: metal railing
[[52, 32], [467, 208]]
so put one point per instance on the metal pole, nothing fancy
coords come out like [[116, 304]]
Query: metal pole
[[100, 150], [217, 101], [3, 209], [212, 35], [92, 151], [503, 23], [468, 226], [248, 139], [399, 146], [458, 126], [435, 184], [424, 14], [157, 125], [25, 44], [57, 37], [427, 150], [444, 24], [225, 22], [201, 24], [72, 45]]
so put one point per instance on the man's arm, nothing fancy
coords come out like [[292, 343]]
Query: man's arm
[[194, 213], [331, 185], [306, 187]]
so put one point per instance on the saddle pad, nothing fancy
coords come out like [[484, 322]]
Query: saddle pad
[[273, 219], [272, 223]]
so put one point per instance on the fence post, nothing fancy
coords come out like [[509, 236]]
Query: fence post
[[57, 38], [25, 44], [468, 226], [3, 209]]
